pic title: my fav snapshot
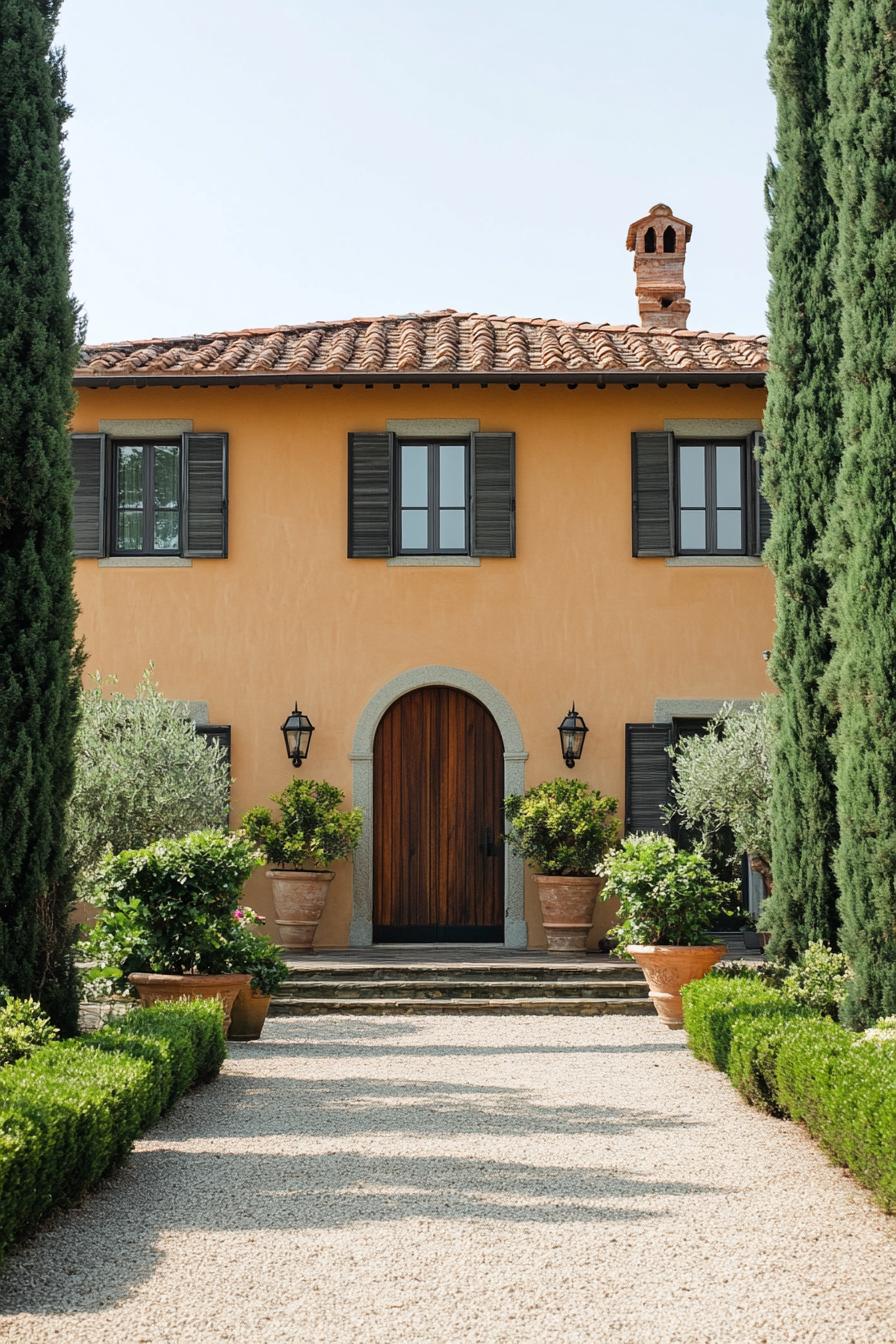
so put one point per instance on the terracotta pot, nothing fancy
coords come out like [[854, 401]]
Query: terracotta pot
[[164, 988], [666, 969], [248, 1016], [299, 898], [567, 910]]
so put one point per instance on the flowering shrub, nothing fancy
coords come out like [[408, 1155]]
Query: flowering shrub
[[313, 830], [253, 953], [562, 827], [666, 895]]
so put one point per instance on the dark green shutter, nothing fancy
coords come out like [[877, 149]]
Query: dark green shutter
[[205, 495], [370, 494], [762, 520], [220, 733], [653, 511], [89, 499], [647, 776], [493, 518]]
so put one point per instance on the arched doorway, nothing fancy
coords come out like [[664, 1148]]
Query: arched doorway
[[438, 785]]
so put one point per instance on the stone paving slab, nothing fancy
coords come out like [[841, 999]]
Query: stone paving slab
[[455, 1180]]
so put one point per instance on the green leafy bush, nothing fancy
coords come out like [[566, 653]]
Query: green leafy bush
[[255, 954], [169, 907], [840, 1085], [184, 780], [72, 1110], [24, 1027], [818, 980], [666, 895], [563, 827], [313, 830]]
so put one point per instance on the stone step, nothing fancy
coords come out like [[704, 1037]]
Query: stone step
[[491, 972], [461, 987], [579, 1007]]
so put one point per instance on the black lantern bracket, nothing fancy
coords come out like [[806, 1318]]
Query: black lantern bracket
[[572, 736], [297, 730]]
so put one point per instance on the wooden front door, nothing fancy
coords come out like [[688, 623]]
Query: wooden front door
[[438, 867]]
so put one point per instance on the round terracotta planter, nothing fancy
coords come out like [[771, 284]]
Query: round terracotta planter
[[299, 899], [165, 988], [567, 910], [248, 1016], [666, 969]]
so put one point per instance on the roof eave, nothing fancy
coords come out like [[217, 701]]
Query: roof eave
[[509, 377]]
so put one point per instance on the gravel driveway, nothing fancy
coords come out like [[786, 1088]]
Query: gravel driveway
[[463, 1179]]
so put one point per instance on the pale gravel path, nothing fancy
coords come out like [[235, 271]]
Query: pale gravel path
[[445, 1180]]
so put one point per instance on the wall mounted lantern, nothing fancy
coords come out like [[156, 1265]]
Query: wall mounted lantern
[[297, 732], [572, 736]]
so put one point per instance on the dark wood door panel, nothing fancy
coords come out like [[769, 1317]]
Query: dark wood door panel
[[438, 782]]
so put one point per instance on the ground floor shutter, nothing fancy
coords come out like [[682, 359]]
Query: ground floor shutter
[[653, 511], [220, 733], [647, 776]]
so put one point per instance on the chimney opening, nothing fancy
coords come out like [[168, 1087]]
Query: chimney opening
[[669, 239], [650, 240], [665, 303]]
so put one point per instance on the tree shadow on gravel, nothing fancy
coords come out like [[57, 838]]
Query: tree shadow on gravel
[[92, 1258]]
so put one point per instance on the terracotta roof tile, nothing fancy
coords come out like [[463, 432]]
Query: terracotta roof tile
[[442, 343]]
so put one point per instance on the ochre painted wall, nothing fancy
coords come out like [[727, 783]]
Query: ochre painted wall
[[289, 616]]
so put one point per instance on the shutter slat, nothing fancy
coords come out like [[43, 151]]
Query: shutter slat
[[370, 458], [647, 776], [205, 495], [762, 508], [493, 521], [653, 518], [88, 501]]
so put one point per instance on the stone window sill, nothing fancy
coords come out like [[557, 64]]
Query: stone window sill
[[145, 562], [427, 561], [715, 562]]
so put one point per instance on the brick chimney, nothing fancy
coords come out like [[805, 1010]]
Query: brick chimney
[[659, 242]]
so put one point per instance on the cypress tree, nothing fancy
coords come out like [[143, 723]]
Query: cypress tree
[[39, 661], [861, 549], [799, 471]]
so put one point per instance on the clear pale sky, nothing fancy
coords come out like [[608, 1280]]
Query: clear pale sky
[[244, 164]]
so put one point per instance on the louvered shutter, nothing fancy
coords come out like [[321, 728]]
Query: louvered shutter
[[493, 518], [205, 495], [89, 499], [370, 460], [653, 515], [220, 733], [762, 513], [647, 776]]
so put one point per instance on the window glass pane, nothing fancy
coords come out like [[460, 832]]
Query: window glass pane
[[728, 475], [167, 476], [451, 475], [452, 529], [414, 473], [692, 475], [165, 536], [728, 529], [414, 529], [130, 530], [130, 475], [693, 529]]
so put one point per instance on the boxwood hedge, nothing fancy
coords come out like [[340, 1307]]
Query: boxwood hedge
[[71, 1111], [840, 1085]]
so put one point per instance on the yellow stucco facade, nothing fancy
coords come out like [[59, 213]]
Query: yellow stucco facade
[[287, 615]]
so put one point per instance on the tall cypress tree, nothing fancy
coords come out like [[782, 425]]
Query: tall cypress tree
[[862, 545], [799, 472], [38, 655]]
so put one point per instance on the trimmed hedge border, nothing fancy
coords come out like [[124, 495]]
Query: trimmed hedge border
[[839, 1084], [71, 1111]]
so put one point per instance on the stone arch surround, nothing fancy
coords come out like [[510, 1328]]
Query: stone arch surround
[[361, 756]]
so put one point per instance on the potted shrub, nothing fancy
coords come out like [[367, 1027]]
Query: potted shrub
[[166, 923], [668, 898], [257, 956], [563, 828], [312, 832]]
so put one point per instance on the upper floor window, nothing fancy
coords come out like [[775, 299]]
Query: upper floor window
[[147, 498], [710, 490], [433, 498]]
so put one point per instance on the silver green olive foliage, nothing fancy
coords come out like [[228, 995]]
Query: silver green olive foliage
[[723, 779], [312, 830], [141, 773], [562, 827], [666, 895]]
